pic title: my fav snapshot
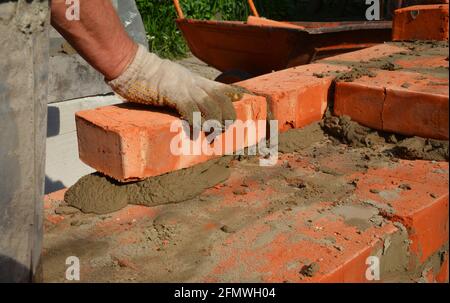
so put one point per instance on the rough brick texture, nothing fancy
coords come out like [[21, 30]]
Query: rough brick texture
[[421, 22], [130, 142], [297, 96]]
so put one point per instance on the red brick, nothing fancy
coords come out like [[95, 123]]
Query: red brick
[[423, 208], [54, 219], [385, 103], [296, 96], [51, 198], [277, 254], [416, 114], [421, 22], [130, 142], [362, 103], [425, 61], [374, 52], [280, 256]]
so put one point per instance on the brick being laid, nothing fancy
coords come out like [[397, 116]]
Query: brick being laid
[[132, 142]]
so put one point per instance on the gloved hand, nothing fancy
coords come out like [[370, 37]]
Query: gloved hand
[[151, 80]]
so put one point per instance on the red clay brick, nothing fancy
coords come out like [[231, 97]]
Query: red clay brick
[[129, 142], [422, 206], [54, 219], [53, 197], [408, 103], [425, 61], [280, 256], [374, 52], [296, 96], [416, 113], [276, 253], [362, 103], [421, 22]]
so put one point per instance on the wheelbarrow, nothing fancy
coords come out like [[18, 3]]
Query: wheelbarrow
[[242, 50]]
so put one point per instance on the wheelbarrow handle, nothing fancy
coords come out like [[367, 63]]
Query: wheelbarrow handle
[[253, 8], [180, 14]]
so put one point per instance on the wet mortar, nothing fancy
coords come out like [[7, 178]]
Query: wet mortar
[[96, 193], [413, 50], [354, 134]]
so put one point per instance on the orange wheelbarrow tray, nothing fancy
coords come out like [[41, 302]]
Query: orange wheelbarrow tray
[[241, 50]]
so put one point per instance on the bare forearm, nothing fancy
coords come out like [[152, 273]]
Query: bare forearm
[[99, 36]]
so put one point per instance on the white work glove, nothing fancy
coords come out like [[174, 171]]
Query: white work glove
[[154, 81]]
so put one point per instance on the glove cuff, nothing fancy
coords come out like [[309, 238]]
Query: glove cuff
[[121, 83]]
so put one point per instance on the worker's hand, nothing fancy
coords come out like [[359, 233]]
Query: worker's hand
[[151, 80]]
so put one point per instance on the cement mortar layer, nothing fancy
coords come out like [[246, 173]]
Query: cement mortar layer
[[98, 194]]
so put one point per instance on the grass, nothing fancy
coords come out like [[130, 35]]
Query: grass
[[165, 39]]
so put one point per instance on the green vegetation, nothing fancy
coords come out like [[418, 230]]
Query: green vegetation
[[159, 16]]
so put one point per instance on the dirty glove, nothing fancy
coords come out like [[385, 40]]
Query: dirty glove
[[154, 81]]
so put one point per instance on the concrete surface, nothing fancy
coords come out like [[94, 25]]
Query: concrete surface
[[23, 97]]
